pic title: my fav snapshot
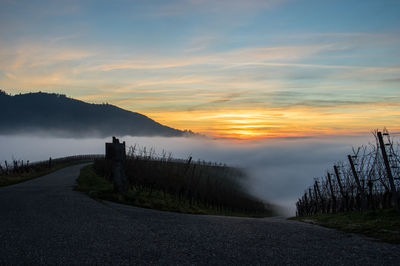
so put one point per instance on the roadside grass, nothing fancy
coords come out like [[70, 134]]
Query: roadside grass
[[16, 178], [379, 224], [99, 188]]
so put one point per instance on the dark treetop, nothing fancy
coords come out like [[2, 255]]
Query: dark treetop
[[59, 115]]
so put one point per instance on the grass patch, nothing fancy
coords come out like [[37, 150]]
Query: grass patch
[[379, 224], [12, 179], [100, 188]]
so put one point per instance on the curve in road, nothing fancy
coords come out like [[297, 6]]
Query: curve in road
[[45, 222]]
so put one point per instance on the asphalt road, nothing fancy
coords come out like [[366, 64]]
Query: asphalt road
[[43, 221]]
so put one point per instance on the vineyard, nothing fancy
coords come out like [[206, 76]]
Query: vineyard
[[19, 170], [198, 183], [369, 179]]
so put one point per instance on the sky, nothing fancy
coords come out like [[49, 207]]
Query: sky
[[229, 68]]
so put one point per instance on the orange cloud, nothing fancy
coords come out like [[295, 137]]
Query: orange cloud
[[284, 122]]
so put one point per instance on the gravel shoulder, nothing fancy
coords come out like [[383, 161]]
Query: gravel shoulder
[[44, 221]]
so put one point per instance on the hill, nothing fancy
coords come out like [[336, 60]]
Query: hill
[[59, 115]]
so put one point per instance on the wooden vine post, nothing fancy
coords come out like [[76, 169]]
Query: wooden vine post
[[393, 191], [306, 203], [317, 192], [363, 202], [344, 196], [312, 201], [332, 193]]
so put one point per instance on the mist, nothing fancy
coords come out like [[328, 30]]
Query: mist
[[278, 170]]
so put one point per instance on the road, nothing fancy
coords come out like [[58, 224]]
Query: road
[[45, 222]]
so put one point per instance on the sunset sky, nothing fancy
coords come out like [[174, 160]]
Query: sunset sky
[[228, 68]]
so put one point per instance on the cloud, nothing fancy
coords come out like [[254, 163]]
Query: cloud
[[369, 73], [146, 64], [226, 98], [185, 89], [33, 58], [226, 59]]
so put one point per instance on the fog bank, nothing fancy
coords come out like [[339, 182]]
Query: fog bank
[[279, 170]]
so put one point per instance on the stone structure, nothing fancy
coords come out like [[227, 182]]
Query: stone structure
[[116, 155]]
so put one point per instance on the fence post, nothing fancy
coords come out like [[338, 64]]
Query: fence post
[[313, 201], [389, 172], [116, 154], [332, 193], [358, 183], [306, 205], [344, 196], [318, 192]]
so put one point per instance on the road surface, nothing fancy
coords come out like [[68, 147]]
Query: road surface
[[45, 222]]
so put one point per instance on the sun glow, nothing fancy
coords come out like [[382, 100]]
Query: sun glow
[[279, 122]]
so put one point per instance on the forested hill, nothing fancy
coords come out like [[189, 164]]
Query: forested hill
[[58, 115]]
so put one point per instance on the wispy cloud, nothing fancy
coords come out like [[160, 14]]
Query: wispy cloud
[[33, 54], [233, 58]]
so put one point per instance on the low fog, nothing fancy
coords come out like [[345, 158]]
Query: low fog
[[278, 170]]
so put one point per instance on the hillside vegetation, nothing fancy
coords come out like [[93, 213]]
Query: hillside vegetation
[[56, 114], [165, 183]]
